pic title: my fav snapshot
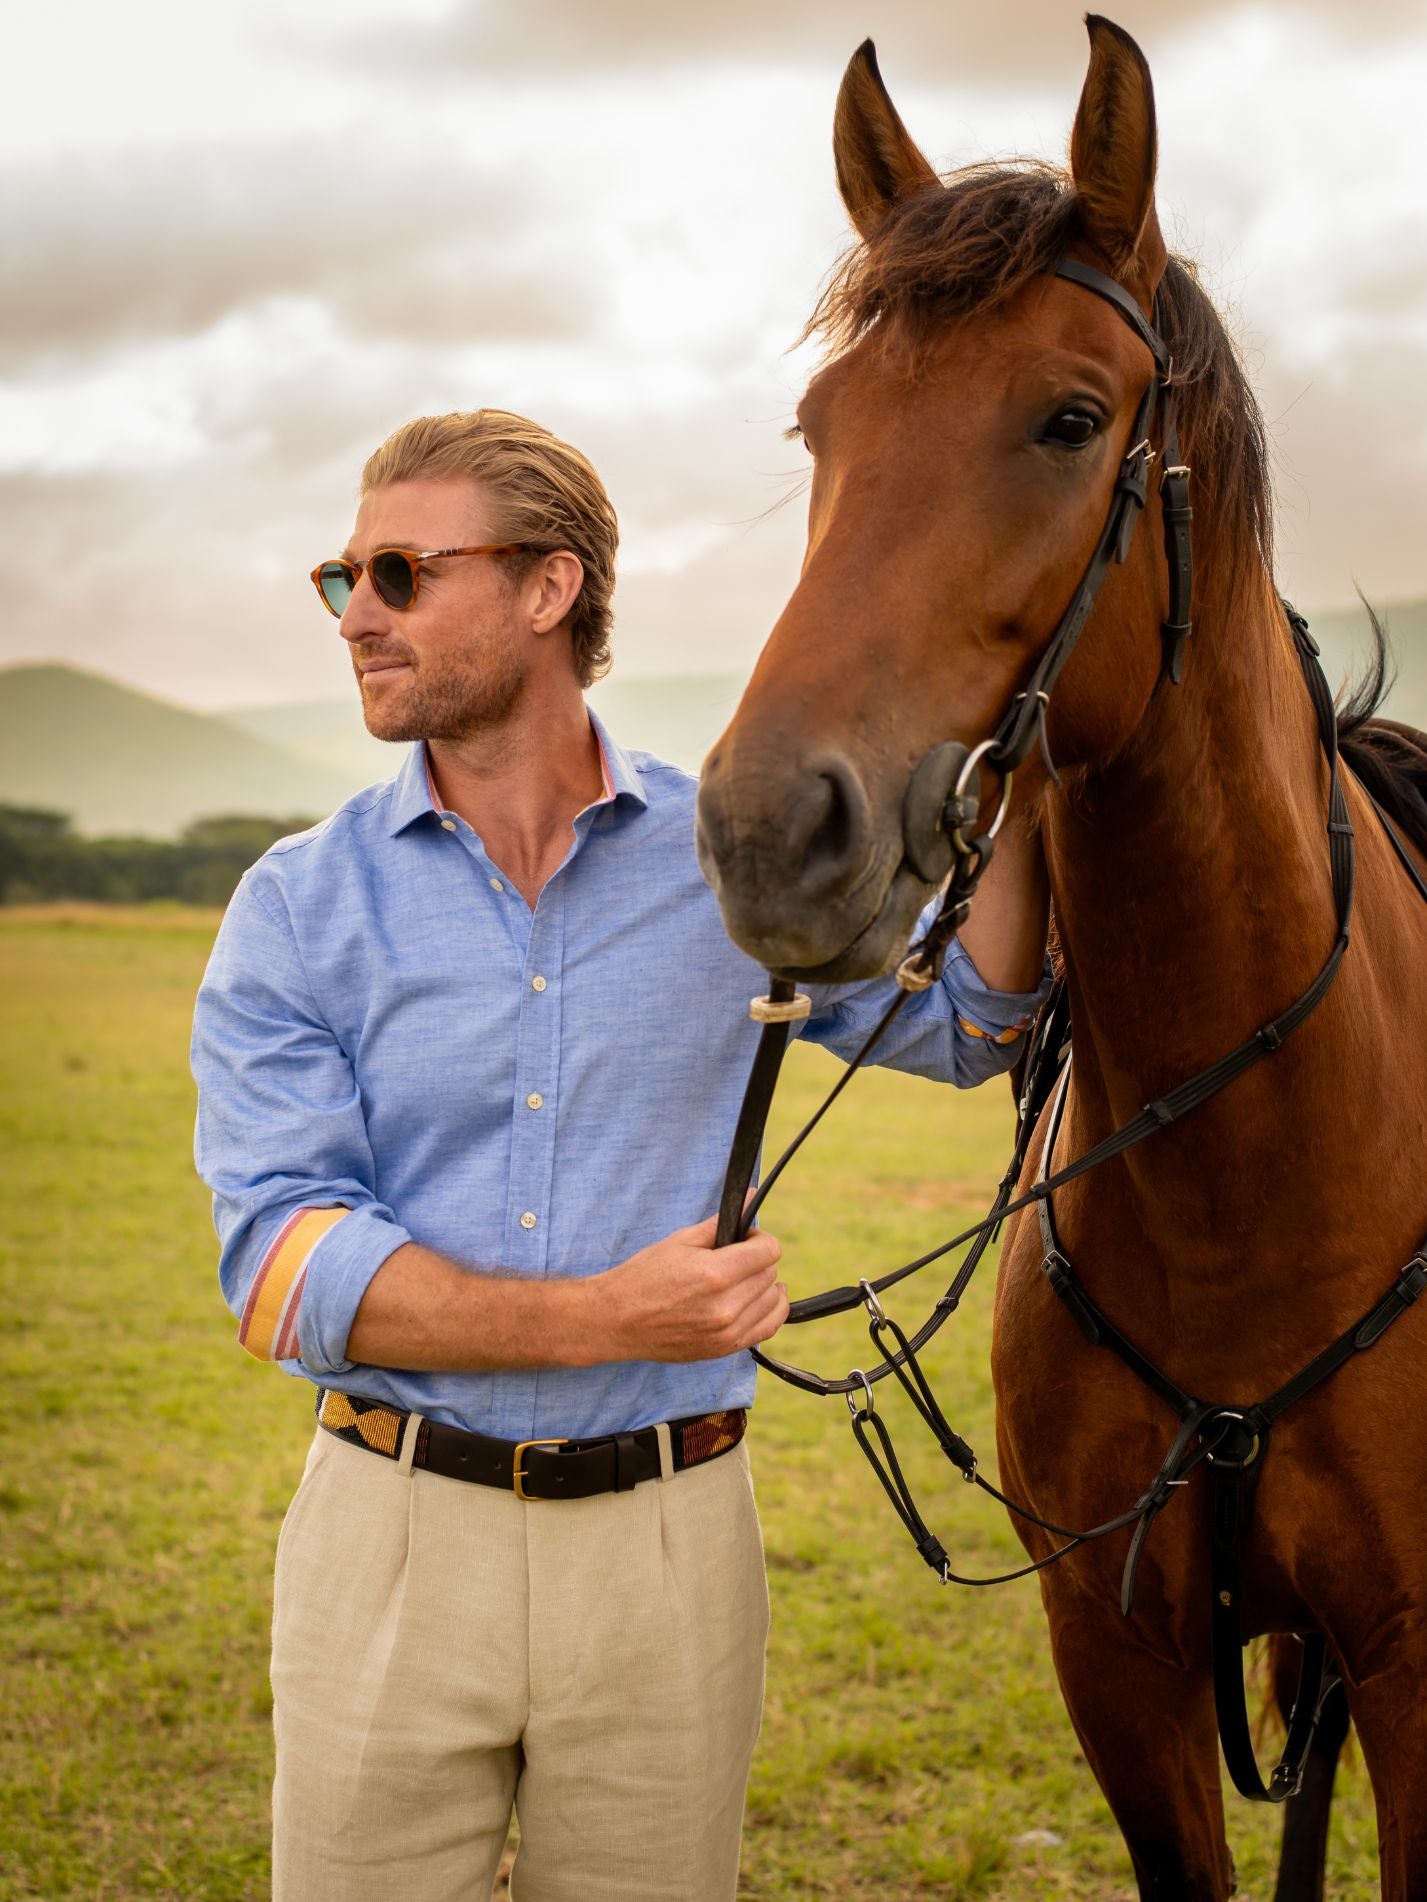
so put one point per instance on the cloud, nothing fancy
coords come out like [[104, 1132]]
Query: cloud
[[613, 218], [1017, 45], [103, 251], [195, 585]]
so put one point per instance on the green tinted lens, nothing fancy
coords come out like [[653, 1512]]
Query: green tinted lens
[[336, 585], [394, 578]]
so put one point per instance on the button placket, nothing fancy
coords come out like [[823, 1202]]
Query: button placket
[[536, 1063]]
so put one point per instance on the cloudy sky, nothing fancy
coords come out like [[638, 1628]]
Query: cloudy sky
[[246, 238]]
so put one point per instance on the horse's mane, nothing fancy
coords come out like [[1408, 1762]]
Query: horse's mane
[[971, 243], [1389, 757]]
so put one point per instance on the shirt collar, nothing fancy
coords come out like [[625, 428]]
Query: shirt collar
[[410, 798], [622, 781]]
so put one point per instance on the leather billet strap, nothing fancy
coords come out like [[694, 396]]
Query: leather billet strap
[[532, 1469]]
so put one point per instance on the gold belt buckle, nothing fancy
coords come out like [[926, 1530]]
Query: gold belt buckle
[[518, 1473]]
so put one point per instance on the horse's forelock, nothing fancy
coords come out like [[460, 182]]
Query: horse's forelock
[[970, 243]]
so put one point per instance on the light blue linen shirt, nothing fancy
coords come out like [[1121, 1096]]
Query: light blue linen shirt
[[390, 1045]]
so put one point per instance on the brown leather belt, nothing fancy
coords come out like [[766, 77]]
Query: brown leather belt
[[532, 1469]]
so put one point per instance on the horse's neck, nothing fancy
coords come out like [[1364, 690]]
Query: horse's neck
[[1194, 904]]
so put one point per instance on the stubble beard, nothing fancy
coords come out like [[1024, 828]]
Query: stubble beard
[[454, 703]]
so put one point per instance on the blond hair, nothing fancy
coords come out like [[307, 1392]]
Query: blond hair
[[545, 493]]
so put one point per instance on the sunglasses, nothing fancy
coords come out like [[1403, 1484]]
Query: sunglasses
[[395, 573]]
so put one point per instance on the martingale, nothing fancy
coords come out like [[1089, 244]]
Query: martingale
[[940, 814]]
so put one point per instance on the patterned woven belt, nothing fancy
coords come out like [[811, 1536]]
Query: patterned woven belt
[[532, 1469]]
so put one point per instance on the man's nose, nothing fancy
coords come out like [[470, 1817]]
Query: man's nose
[[366, 615]]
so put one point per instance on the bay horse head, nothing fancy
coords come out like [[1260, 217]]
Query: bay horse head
[[968, 434]]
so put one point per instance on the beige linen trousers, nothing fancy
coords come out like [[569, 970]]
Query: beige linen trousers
[[443, 1652]]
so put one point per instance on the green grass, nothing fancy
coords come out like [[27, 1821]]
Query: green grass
[[914, 1739]]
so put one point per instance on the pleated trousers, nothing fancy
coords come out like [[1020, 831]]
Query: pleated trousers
[[444, 1653]]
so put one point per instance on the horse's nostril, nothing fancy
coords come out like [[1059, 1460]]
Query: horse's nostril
[[828, 832], [832, 834]]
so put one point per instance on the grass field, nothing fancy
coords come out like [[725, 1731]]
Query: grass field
[[914, 1744]]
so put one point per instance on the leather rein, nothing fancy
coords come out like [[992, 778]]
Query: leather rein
[[940, 814]]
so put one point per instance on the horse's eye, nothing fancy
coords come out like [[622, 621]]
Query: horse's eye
[[1072, 427]]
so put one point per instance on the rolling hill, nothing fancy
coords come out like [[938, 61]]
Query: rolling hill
[[677, 719], [122, 762]]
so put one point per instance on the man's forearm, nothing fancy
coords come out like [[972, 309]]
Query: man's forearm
[[679, 1299], [425, 1312], [1005, 934]]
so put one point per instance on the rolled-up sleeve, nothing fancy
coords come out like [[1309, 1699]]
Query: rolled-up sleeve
[[959, 1031], [282, 1142]]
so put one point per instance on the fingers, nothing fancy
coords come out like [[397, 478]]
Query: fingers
[[700, 1235], [761, 1319], [760, 1251], [770, 1317], [738, 1260]]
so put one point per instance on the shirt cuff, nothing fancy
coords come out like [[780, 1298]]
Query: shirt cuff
[[338, 1273], [998, 1015]]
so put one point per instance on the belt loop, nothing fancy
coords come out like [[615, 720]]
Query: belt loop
[[666, 1450], [410, 1434]]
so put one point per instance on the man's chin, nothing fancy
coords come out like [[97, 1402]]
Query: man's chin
[[384, 718], [384, 727]]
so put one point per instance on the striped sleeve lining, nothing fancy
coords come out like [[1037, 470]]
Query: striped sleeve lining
[[268, 1329], [992, 1036]]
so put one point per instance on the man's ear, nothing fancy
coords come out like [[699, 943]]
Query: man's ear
[[877, 162], [558, 579], [1113, 150]]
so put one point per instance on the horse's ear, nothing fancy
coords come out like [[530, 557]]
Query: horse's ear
[[1112, 157], [877, 162]]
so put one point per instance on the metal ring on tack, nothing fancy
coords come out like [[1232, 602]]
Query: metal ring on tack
[[1228, 1413], [871, 1303], [981, 748], [868, 1404]]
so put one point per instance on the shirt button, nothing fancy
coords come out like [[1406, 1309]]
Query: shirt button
[[448, 825], [496, 885], [527, 1220], [534, 1100], [537, 984]]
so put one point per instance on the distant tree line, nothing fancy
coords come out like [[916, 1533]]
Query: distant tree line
[[42, 857]]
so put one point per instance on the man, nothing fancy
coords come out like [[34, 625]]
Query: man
[[469, 1057]]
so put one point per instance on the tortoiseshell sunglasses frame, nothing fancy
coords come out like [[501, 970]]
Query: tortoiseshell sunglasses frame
[[413, 557]]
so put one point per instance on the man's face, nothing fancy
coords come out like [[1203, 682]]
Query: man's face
[[454, 662]]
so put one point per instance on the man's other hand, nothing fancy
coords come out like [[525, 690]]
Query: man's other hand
[[683, 1299]]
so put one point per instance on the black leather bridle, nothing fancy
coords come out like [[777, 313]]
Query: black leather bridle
[[940, 813]]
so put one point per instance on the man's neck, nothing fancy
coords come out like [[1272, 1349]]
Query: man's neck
[[521, 784]]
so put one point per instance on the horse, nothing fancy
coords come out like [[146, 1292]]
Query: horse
[[972, 419]]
